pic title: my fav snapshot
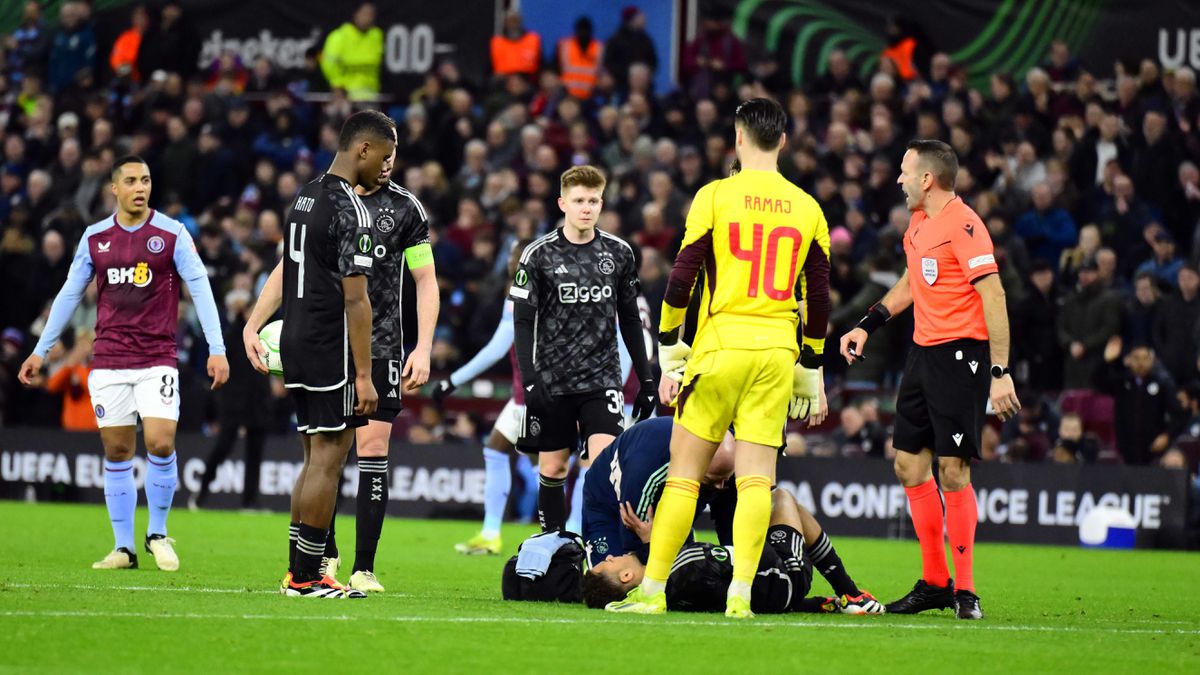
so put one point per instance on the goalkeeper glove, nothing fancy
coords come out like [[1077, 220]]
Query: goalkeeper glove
[[806, 384], [646, 402], [672, 358], [442, 389]]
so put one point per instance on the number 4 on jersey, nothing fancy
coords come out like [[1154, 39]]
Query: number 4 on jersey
[[755, 256]]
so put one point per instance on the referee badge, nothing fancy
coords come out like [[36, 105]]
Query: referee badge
[[929, 270]]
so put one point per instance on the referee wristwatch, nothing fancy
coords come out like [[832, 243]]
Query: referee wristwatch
[[999, 371]]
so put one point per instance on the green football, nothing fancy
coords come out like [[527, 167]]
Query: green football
[[269, 337]]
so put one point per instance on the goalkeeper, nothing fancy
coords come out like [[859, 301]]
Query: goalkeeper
[[764, 244]]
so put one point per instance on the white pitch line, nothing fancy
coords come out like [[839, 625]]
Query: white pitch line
[[169, 589], [860, 624]]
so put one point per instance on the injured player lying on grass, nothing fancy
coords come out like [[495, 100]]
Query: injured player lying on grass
[[618, 510]]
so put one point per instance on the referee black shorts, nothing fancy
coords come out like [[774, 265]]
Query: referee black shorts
[[942, 402], [571, 418], [326, 411]]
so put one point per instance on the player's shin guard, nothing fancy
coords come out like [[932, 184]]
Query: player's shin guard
[[825, 559], [552, 503], [672, 523], [962, 514], [120, 495], [370, 509], [751, 518], [497, 483], [575, 521], [927, 520], [162, 479]]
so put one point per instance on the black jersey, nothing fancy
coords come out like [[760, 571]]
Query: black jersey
[[576, 291], [398, 224], [328, 238]]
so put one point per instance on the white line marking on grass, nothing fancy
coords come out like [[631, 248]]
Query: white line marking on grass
[[857, 624], [171, 589]]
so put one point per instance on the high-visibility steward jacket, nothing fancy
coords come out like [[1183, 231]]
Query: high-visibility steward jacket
[[520, 56], [579, 67]]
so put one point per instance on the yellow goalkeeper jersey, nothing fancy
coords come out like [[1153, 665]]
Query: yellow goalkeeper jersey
[[763, 244]]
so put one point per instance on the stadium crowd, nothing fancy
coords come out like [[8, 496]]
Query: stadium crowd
[[1088, 183]]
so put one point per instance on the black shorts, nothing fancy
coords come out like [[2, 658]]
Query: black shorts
[[321, 411], [385, 374], [784, 574], [570, 418], [942, 402]]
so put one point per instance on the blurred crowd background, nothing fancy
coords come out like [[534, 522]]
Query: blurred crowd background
[[1088, 183]]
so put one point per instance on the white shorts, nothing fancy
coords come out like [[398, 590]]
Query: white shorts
[[119, 397], [510, 420]]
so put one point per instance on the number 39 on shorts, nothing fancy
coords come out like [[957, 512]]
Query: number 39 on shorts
[[782, 251]]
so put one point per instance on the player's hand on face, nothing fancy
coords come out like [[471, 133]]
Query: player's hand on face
[[416, 370], [668, 388], [646, 402], [255, 351], [638, 526], [218, 370], [856, 338], [1004, 398], [368, 399], [29, 370]]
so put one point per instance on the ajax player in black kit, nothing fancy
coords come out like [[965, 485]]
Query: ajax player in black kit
[[400, 238], [326, 340], [570, 290]]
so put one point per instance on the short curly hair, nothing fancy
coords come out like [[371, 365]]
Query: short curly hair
[[599, 590]]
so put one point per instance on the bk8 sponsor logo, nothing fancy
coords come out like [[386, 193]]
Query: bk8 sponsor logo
[[139, 276], [573, 293]]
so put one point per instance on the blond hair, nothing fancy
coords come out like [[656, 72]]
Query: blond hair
[[584, 175]]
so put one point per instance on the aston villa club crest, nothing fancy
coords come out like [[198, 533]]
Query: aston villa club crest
[[155, 244]]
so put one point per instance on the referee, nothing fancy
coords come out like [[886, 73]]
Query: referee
[[960, 361]]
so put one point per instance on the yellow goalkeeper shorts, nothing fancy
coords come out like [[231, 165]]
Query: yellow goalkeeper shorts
[[747, 388]]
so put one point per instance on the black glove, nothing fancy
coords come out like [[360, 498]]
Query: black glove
[[538, 397], [646, 402], [442, 389]]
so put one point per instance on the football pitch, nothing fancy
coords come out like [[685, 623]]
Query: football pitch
[[1048, 609]]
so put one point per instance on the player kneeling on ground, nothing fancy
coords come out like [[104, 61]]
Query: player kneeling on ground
[[701, 574]]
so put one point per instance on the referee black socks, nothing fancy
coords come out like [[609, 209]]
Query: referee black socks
[[552, 503], [825, 558]]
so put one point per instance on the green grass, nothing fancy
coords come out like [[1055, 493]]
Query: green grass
[[1048, 609]]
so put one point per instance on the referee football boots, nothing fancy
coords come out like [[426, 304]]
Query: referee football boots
[[924, 596], [967, 605]]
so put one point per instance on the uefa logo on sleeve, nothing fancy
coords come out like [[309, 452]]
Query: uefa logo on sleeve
[[156, 244]]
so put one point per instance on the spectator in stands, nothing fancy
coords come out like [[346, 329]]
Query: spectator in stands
[[73, 49], [580, 58], [1188, 428], [353, 54], [1060, 64], [1046, 229], [1036, 351], [1165, 265], [124, 55], [1155, 160], [1174, 334], [1098, 147], [1123, 216], [169, 44], [515, 50], [1090, 315], [1074, 446], [29, 45], [70, 382], [1141, 310], [714, 57], [855, 437], [629, 45], [1144, 401]]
